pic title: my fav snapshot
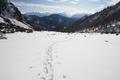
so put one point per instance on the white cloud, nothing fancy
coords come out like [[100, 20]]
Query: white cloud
[[93, 0], [70, 1], [45, 8], [58, 0], [31, 7], [62, 1]]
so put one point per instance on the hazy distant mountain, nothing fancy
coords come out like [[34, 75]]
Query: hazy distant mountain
[[63, 14], [106, 21], [79, 15], [54, 22], [50, 22], [34, 21], [40, 14]]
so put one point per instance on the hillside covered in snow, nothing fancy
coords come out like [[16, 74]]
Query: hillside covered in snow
[[105, 21]]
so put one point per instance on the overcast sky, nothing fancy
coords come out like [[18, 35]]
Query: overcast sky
[[68, 6]]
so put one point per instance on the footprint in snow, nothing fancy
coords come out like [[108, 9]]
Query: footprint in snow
[[64, 76], [31, 67], [106, 41]]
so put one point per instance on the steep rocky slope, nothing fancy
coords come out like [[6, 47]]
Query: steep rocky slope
[[11, 19], [106, 21]]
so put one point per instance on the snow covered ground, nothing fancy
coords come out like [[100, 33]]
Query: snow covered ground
[[60, 56]]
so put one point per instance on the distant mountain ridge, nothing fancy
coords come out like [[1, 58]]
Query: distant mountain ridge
[[40, 14], [43, 14], [53, 22], [79, 15]]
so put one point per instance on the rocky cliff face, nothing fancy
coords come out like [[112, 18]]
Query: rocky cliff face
[[11, 19], [12, 12]]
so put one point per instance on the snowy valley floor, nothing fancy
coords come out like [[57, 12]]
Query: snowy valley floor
[[60, 56]]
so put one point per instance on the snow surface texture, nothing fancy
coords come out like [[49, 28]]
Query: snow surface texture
[[60, 56]]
